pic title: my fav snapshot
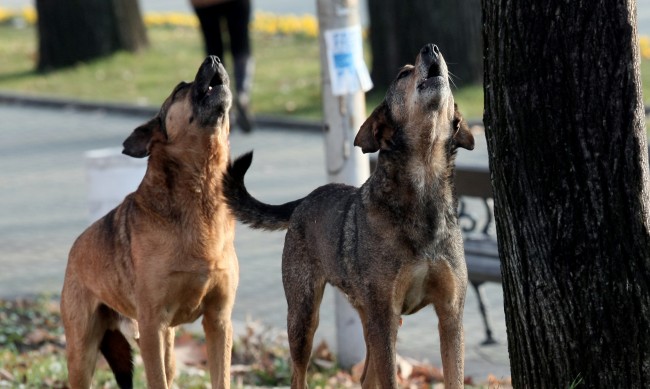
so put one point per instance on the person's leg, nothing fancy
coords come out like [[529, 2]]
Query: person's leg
[[238, 18], [210, 21]]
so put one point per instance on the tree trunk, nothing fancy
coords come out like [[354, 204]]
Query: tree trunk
[[569, 161], [131, 32], [399, 28], [71, 31]]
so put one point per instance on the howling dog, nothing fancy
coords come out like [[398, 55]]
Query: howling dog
[[393, 246], [165, 255]]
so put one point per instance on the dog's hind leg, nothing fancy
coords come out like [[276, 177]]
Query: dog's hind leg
[[366, 363], [304, 292], [117, 351]]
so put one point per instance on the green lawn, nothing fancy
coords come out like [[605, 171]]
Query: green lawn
[[287, 76], [287, 72]]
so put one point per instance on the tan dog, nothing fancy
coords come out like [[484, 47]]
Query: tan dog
[[392, 246], [165, 255]]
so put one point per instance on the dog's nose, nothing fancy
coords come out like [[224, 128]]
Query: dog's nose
[[430, 49], [214, 59]]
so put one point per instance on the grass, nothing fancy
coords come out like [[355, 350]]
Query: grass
[[286, 80], [287, 77], [32, 355], [32, 352], [287, 74], [576, 382]]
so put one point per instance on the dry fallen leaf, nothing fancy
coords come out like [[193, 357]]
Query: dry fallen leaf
[[6, 376]]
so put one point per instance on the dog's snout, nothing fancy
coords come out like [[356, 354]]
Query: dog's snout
[[430, 50]]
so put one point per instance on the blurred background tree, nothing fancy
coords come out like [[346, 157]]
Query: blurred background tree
[[399, 28], [71, 31]]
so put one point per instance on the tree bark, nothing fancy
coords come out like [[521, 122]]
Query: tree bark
[[569, 162], [71, 31], [399, 28]]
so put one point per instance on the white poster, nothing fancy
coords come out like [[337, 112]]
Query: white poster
[[347, 69]]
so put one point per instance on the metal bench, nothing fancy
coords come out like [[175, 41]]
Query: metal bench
[[481, 251]]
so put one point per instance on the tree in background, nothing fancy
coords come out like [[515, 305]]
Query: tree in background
[[399, 28], [569, 162], [71, 31]]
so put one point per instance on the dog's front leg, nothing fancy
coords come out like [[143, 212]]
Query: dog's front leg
[[218, 333], [381, 336], [170, 360], [152, 348], [452, 349], [449, 301]]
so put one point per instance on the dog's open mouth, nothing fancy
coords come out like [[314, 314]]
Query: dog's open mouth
[[434, 71], [209, 83], [214, 82], [210, 78], [434, 76], [211, 97]]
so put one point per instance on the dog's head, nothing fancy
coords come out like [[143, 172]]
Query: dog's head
[[196, 109], [418, 110]]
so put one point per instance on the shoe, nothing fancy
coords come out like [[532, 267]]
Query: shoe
[[243, 116], [244, 68]]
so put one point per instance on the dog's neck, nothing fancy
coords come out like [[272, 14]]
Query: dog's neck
[[171, 181], [419, 193]]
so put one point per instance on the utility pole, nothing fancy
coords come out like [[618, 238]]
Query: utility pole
[[344, 78]]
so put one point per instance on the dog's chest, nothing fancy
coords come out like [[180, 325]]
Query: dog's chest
[[416, 283], [205, 265], [193, 292]]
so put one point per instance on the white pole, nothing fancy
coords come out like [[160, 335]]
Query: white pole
[[343, 115]]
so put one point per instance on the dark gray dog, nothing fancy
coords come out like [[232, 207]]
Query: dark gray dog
[[392, 246]]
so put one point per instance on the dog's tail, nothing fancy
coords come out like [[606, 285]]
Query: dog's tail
[[247, 209]]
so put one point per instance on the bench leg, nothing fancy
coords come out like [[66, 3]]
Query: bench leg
[[484, 314], [464, 215], [489, 214]]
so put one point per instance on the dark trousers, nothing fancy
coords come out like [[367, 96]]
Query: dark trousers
[[237, 14]]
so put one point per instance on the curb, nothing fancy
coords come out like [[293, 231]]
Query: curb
[[268, 121], [263, 121]]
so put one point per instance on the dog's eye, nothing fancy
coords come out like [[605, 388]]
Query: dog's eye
[[403, 74]]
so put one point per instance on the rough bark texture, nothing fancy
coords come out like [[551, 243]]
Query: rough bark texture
[[399, 28], [569, 161], [71, 31]]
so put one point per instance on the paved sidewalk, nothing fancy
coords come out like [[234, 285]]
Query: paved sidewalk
[[43, 207]]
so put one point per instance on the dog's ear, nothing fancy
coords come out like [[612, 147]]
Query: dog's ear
[[376, 132], [462, 135], [138, 143]]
